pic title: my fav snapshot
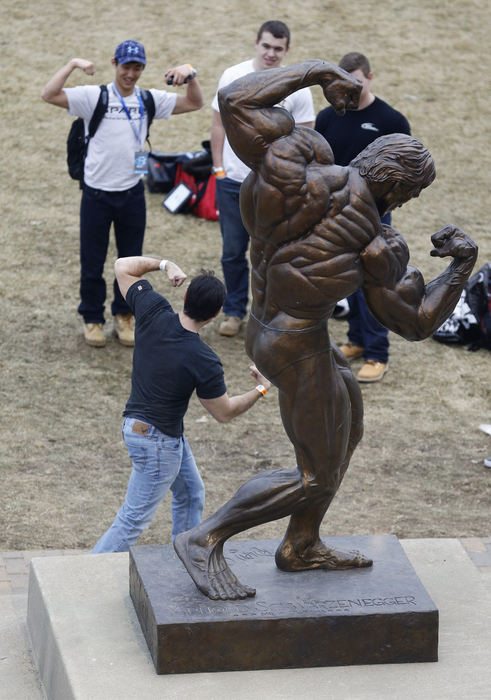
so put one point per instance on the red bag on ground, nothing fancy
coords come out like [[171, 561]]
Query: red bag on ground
[[203, 201]]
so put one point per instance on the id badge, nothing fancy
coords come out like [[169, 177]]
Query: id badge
[[141, 162]]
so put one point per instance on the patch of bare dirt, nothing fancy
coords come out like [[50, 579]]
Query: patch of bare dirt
[[419, 470]]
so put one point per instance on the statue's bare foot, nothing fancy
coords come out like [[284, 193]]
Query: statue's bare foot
[[318, 556], [207, 567]]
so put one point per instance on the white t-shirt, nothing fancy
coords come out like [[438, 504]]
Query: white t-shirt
[[111, 155], [299, 104]]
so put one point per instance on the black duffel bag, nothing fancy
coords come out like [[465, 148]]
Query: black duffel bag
[[162, 167], [200, 165], [162, 170]]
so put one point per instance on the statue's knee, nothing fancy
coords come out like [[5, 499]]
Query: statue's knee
[[317, 491]]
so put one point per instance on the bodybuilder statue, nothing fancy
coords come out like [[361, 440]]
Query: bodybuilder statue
[[316, 236]]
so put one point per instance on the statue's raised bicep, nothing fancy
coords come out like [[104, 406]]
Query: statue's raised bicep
[[385, 259], [410, 287]]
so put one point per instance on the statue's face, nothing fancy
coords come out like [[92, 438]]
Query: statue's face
[[270, 51], [400, 194]]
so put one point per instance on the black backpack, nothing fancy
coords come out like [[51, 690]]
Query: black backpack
[[478, 291], [78, 143], [470, 322]]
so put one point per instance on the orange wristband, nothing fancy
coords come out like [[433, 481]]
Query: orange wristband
[[262, 389], [190, 77]]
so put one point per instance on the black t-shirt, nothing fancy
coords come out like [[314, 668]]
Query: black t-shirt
[[350, 134], [169, 363]]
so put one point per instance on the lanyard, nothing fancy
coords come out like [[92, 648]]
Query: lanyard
[[138, 134]]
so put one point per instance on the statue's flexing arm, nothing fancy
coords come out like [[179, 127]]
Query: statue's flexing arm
[[249, 116], [396, 293]]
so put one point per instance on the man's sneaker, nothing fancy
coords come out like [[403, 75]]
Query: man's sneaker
[[124, 328], [231, 326], [372, 371], [351, 351], [94, 335]]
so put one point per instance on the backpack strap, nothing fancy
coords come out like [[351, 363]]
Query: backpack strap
[[149, 104], [200, 192], [101, 109], [99, 112]]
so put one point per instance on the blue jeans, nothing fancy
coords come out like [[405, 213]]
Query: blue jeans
[[235, 241], [364, 330], [98, 210], [160, 462]]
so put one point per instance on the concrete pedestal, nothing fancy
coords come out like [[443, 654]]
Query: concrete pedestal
[[87, 642], [380, 614]]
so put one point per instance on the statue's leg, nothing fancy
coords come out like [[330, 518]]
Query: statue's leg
[[319, 424], [339, 427], [268, 496], [300, 550]]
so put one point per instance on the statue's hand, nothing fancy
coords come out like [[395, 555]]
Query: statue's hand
[[343, 92], [452, 241]]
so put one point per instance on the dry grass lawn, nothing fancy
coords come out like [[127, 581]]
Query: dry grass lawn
[[419, 469]]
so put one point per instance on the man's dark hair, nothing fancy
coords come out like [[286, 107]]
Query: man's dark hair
[[278, 29], [396, 157], [355, 61], [204, 297]]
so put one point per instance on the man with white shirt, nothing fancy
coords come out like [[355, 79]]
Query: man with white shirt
[[113, 191], [272, 44]]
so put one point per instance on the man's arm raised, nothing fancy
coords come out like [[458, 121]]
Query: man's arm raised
[[193, 99], [247, 106], [130, 270], [404, 304], [53, 90]]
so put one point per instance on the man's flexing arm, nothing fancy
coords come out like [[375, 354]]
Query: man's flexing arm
[[131, 269], [249, 116], [396, 293], [53, 90]]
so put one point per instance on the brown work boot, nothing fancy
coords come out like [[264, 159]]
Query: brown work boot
[[351, 351], [231, 326], [124, 328], [372, 371], [94, 335]]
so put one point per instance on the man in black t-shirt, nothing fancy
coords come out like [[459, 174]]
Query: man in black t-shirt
[[348, 136], [170, 361]]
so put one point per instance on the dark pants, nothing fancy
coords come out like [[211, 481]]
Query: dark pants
[[235, 241], [98, 210], [364, 330]]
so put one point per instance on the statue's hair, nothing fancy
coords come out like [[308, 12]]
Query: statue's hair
[[396, 157]]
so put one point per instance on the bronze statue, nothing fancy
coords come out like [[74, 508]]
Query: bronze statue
[[316, 236]]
